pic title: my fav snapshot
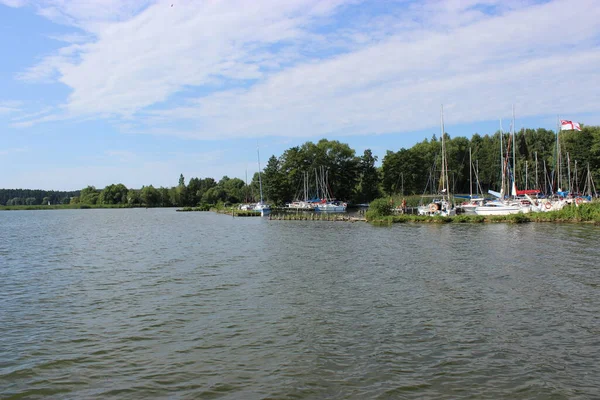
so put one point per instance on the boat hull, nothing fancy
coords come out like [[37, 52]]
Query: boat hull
[[498, 210], [330, 208]]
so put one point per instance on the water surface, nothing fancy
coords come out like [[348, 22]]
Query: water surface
[[157, 304]]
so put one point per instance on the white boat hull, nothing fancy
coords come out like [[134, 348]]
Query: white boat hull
[[330, 208], [498, 210]]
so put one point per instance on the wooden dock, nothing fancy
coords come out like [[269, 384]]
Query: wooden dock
[[311, 216]]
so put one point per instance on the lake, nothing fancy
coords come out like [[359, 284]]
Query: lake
[[151, 303]]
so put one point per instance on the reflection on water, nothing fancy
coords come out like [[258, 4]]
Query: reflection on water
[[154, 304]]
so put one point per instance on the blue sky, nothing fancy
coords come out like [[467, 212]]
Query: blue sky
[[137, 92]]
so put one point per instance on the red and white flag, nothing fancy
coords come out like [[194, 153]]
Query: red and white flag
[[569, 125]]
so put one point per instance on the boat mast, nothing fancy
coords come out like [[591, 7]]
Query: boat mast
[[590, 183], [470, 174], [526, 187], [557, 154], [537, 187], [317, 183], [502, 161], [546, 179], [246, 199], [259, 178], [445, 183], [478, 186], [576, 180], [514, 145], [569, 174]]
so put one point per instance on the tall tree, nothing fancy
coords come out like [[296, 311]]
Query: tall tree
[[368, 188], [275, 185]]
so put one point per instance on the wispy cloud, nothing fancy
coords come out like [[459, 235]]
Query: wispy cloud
[[10, 107], [72, 38], [301, 68], [13, 3]]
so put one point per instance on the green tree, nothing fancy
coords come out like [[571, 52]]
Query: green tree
[[275, 186], [214, 195], [150, 196], [89, 195], [113, 194], [234, 189], [134, 197], [368, 187], [165, 197]]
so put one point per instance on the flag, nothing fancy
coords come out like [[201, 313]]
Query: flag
[[569, 125]]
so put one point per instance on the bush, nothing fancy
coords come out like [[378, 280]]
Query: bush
[[379, 208]]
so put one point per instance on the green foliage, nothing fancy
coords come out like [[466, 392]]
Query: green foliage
[[337, 159], [113, 194], [89, 195], [518, 218], [368, 186], [150, 196], [586, 212], [275, 183], [379, 208], [33, 196]]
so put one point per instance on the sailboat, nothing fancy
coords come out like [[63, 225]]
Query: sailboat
[[443, 206], [508, 204], [327, 202], [261, 205], [468, 207], [303, 204]]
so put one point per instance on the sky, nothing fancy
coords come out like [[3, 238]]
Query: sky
[[139, 92]]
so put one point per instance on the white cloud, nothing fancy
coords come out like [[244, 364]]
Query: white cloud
[[10, 107], [72, 38], [13, 3], [383, 74]]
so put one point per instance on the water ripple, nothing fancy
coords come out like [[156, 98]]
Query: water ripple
[[153, 304]]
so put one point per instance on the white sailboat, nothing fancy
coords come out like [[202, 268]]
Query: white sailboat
[[261, 205], [327, 203], [468, 207], [513, 204], [304, 204], [443, 206]]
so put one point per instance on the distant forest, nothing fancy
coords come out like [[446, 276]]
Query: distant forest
[[356, 179]]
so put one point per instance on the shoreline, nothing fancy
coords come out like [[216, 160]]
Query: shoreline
[[582, 214]]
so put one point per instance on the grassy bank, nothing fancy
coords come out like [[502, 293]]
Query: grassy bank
[[188, 209], [236, 212], [585, 213]]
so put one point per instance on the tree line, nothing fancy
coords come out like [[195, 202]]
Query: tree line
[[356, 179], [32, 197]]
